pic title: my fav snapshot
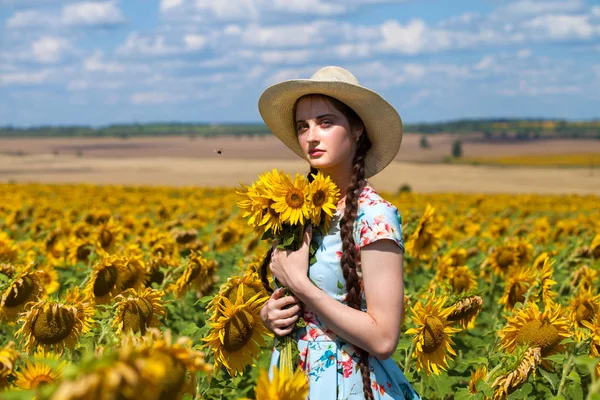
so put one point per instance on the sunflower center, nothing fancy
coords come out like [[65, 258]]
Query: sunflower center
[[52, 327], [319, 198], [130, 278], [83, 252], [105, 281], [227, 236], [137, 316], [20, 293], [585, 312], [539, 334], [41, 380], [194, 273], [106, 238], [433, 334], [295, 198], [238, 331], [249, 292], [506, 258], [460, 282], [516, 294]]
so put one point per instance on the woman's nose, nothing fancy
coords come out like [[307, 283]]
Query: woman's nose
[[311, 134]]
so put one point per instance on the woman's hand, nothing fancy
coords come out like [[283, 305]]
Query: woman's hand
[[276, 317], [291, 267]]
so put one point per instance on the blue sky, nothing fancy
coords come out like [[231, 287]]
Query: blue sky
[[103, 62]]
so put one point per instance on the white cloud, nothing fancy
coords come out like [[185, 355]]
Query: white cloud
[[526, 89], [409, 39], [24, 78], [524, 53], [285, 56], [92, 13], [285, 35], [76, 14], [564, 26], [194, 41], [95, 63], [166, 5], [139, 45], [595, 11], [486, 63], [543, 7], [141, 98], [49, 49]]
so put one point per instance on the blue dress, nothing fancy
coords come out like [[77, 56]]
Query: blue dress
[[330, 362]]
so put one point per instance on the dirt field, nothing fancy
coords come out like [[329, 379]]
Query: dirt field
[[268, 147], [227, 171]]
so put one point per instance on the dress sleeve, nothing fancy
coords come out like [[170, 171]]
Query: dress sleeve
[[378, 221]]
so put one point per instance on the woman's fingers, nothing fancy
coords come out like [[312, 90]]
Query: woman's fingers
[[285, 322], [283, 332], [284, 301], [288, 312]]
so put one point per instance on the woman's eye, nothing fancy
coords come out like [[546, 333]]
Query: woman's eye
[[326, 123], [300, 128]]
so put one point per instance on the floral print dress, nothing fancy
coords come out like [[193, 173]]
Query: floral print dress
[[330, 362]]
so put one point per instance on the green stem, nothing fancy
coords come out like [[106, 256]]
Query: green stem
[[408, 357], [567, 367]]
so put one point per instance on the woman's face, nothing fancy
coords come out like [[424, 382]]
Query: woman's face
[[324, 134]]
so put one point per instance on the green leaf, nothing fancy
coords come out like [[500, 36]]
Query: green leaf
[[550, 377], [574, 376], [521, 393], [340, 285], [558, 358]]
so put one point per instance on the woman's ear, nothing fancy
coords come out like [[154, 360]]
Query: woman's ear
[[358, 132]]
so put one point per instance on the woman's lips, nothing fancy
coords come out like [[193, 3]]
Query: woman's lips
[[315, 153]]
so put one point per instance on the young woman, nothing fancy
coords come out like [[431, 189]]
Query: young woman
[[352, 297]]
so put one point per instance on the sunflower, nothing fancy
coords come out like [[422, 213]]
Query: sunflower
[[426, 238], [506, 384], [583, 307], [8, 359], [524, 250], [516, 286], [49, 279], [56, 324], [585, 278], [107, 235], [291, 199], [533, 328], [594, 328], [541, 229], [476, 376], [538, 263], [199, 273], [25, 287], [546, 283], [462, 279], [465, 311], [248, 285], [136, 311], [106, 278], [503, 258], [595, 247], [8, 248], [79, 250], [432, 335], [323, 198], [133, 275], [237, 335], [43, 369], [227, 236], [283, 386]]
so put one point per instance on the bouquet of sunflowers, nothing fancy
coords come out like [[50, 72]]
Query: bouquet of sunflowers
[[279, 209]]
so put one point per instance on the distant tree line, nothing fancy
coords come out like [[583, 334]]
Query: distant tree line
[[500, 129]]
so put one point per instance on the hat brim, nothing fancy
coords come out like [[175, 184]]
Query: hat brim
[[382, 121]]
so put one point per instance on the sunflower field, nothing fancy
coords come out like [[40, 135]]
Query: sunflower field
[[116, 292]]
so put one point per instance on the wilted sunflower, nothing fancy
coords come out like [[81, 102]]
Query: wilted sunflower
[[595, 247], [199, 274], [506, 384], [323, 198], [44, 368], [516, 285], [136, 311], [228, 235], [465, 311], [50, 323], [25, 287], [585, 306], [594, 327], [462, 279], [8, 359], [503, 258], [237, 335], [133, 275], [426, 238], [291, 199], [533, 328], [106, 278], [478, 375], [283, 386], [524, 250], [432, 335], [107, 235]]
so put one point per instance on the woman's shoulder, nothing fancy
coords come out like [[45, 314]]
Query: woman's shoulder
[[371, 200]]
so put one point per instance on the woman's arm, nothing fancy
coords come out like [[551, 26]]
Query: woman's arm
[[377, 330]]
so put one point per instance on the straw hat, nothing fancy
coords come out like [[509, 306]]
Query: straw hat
[[382, 121]]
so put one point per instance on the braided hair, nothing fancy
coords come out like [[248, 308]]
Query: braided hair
[[350, 261]]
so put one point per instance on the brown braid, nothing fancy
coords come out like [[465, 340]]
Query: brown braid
[[350, 260]]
